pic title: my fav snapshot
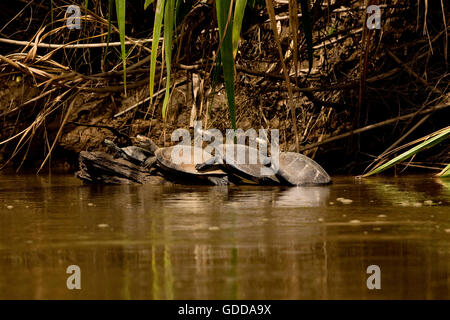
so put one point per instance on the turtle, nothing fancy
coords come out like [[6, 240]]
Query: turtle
[[169, 159], [296, 169], [134, 154], [149, 155], [163, 158], [244, 165]]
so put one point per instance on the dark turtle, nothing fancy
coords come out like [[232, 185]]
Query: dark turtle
[[134, 154], [243, 164], [169, 159], [297, 169]]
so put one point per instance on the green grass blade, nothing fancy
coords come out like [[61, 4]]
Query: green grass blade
[[307, 29], [239, 11], [147, 3], [226, 53], [409, 153], [169, 15], [120, 12], [445, 173], [108, 38], [159, 14]]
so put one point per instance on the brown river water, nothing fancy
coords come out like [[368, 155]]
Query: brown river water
[[195, 242]]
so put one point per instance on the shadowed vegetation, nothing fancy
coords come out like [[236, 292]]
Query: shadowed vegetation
[[335, 89]]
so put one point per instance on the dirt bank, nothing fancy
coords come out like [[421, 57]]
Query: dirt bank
[[75, 96]]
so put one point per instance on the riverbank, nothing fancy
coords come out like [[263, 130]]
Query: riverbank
[[74, 98]]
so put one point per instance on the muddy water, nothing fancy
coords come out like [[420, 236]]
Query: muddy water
[[178, 242]]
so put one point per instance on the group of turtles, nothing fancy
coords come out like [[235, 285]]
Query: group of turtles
[[224, 167]]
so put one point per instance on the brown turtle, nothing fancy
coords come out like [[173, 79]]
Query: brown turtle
[[170, 161]]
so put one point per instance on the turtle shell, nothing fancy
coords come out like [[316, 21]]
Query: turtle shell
[[297, 169], [182, 159], [137, 153], [247, 164]]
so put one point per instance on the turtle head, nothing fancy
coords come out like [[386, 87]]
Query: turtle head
[[109, 143], [146, 143]]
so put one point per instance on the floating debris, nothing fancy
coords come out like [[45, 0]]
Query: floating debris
[[417, 204], [90, 204], [355, 221], [9, 207], [376, 229], [344, 201], [447, 230], [213, 228], [429, 203], [320, 219], [381, 216], [103, 225]]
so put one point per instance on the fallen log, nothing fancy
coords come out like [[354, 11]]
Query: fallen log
[[100, 167]]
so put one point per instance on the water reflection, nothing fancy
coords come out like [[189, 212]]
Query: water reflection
[[175, 242], [304, 197]]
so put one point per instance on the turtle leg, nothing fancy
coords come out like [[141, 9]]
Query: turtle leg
[[210, 164], [219, 181], [149, 162]]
